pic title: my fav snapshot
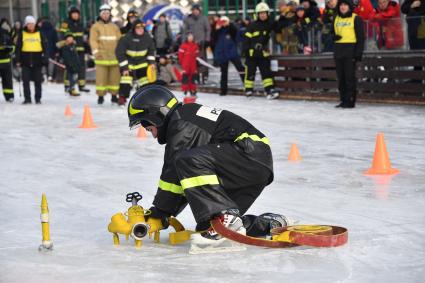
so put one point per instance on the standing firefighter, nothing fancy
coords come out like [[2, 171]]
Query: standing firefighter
[[104, 37], [31, 54], [348, 33], [215, 161], [255, 47], [73, 26], [135, 51], [6, 51]]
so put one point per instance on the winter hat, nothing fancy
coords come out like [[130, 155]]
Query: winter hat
[[29, 20], [299, 8], [348, 2], [224, 19]]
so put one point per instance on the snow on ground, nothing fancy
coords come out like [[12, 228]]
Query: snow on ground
[[86, 174]]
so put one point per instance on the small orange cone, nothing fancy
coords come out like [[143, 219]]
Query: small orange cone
[[381, 164], [87, 119], [141, 134], [294, 154], [68, 111]]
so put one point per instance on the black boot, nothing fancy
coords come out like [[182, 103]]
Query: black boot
[[83, 89], [100, 100], [114, 99]]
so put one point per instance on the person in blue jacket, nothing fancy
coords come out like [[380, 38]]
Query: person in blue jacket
[[226, 50]]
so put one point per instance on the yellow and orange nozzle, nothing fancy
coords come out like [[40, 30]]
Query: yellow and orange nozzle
[[46, 243]]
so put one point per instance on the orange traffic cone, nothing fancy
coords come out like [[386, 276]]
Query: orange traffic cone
[[68, 111], [87, 119], [141, 134], [381, 164], [294, 154]]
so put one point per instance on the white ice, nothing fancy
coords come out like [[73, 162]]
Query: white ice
[[87, 173]]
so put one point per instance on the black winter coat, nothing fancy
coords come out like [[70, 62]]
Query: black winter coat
[[70, 58]]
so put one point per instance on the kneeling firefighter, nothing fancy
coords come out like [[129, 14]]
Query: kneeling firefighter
[[215, 161]]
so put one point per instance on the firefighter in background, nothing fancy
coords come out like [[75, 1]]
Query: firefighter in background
[[255, 48], [135, 52], [6, 50], [31, 54], [74, 26], [104, 37], [132, 16], [348, 33]]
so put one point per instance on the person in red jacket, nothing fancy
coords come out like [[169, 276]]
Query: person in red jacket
[[364, 9], [390, 32], [188, 52]]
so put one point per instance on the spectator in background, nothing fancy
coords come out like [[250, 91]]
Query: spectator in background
[[188, 52], [51, 36], [328, 18], [132, 16], [312, 12], [301, 29], [415, 18], [226, 50], [241, 31], [365, 10], [213, 21], [390, 32], [31, 54], [198, 25], [285, 33], [167, 74], [15, 31], [162, 35]]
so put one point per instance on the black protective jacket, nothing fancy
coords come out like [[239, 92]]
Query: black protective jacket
[[6, 48], [257, 36], [134, 50], [193, 125], [75, 28]]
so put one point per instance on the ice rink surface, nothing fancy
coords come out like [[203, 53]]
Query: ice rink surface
[[87, 173]]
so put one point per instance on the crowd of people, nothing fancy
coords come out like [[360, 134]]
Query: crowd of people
[[139, 53]]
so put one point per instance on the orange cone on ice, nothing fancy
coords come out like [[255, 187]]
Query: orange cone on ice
[[381, 164], [87, 119], [141, 134], [68, 111], [294, 154]]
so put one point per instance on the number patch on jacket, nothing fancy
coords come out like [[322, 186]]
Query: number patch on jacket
[[209, 113]]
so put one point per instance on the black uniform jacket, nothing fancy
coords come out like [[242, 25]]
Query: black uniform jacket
[[193, 125], [135, 50]]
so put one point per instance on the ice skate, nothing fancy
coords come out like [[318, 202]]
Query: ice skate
[[212, 242]]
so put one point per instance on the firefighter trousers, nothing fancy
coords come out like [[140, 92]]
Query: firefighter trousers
[[263, 64], [107, 79], [138, 76], [7, 81], [218, 177]]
